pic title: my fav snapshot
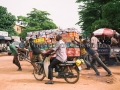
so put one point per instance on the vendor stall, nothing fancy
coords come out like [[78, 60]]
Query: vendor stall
[[46, 40], [109, 54], [3, 40]]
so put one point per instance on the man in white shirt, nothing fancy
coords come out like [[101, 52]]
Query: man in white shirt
[[94, 42], [61, 56]]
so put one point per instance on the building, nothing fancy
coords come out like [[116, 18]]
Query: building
[[18, 29], [19, 26]]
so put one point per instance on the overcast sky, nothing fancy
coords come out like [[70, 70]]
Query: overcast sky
[[63, 12]]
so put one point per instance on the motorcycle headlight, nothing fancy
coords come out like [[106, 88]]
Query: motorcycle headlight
[[79, 62]]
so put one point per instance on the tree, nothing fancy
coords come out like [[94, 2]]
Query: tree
[[89, 12], [94, 14], [7, 21], [37, 20], [111, 13]]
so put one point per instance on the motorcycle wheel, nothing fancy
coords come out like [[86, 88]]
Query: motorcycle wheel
[[39, 73], [75, 74]]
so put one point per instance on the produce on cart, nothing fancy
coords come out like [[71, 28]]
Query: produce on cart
[[46, 40], [109, 54]]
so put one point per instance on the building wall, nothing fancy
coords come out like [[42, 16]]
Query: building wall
[[18, 28]]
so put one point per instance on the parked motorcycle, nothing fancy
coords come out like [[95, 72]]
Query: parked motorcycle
[[69, 71]]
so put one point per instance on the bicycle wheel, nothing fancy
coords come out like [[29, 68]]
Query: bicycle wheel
[[73, 76], [20, 57], [25, 57], [39, 73]]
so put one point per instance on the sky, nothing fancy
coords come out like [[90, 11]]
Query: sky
[[64, 13]]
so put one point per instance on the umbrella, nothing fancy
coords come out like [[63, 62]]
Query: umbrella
[[104, 32]]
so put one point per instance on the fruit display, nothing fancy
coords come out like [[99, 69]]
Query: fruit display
[[47, 39]]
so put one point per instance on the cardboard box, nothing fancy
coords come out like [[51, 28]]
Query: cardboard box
[[71, 52]]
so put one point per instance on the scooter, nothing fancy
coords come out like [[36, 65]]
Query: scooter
[[69, 70]]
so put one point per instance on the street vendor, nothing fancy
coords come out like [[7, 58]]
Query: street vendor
[[114, 41]]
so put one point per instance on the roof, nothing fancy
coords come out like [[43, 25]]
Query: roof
[[1, 37], [5, 38]]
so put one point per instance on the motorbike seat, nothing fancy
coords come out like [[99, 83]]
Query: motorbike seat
[[67, 63]]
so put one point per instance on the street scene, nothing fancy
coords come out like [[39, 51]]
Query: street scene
[[54, 45]]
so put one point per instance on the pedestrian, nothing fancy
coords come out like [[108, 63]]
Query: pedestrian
[[114, 41], [14, 51], [22, 47], [94, 42], [36, 53], [95, 58]]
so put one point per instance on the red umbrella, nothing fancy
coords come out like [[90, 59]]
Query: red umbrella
[[103, 31]]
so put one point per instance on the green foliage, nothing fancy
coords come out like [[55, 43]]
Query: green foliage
[[89, 13], [111, 12], [95, 14], [7, 21], [37, 20], [101, 24]]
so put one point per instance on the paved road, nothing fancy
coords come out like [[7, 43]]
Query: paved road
[[10, 79]]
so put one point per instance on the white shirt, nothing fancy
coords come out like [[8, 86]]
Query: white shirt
[[94, 41], [60, 49]]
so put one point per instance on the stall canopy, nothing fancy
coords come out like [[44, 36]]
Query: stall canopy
[[5, 38], [1, 37], [104, 32]]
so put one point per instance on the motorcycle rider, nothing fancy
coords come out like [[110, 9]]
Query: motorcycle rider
[[61, 56]]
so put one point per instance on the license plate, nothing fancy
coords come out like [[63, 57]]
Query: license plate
[[80, 68]]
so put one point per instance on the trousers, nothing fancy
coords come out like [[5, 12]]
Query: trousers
[[52, 65], [95, 59], [16, 61]]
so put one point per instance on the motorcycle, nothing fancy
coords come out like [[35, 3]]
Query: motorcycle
[[69, 70]]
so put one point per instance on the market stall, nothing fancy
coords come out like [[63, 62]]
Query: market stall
[[3, 39], [109, 54], [46, 40]]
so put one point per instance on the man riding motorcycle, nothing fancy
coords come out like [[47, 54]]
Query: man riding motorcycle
[[61, 56]]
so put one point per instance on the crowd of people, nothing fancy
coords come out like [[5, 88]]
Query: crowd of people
[[87, 48], [113, 40]]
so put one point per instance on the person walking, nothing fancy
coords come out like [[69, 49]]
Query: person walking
[[36, 53], [15, 54], [95, 58]]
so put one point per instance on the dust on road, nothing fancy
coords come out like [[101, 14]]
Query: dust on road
[[10, 79]]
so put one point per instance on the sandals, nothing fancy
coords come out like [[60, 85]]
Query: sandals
[[49, 82], [109, 74]]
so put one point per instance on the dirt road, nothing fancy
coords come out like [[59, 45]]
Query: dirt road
[[10, 79]]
